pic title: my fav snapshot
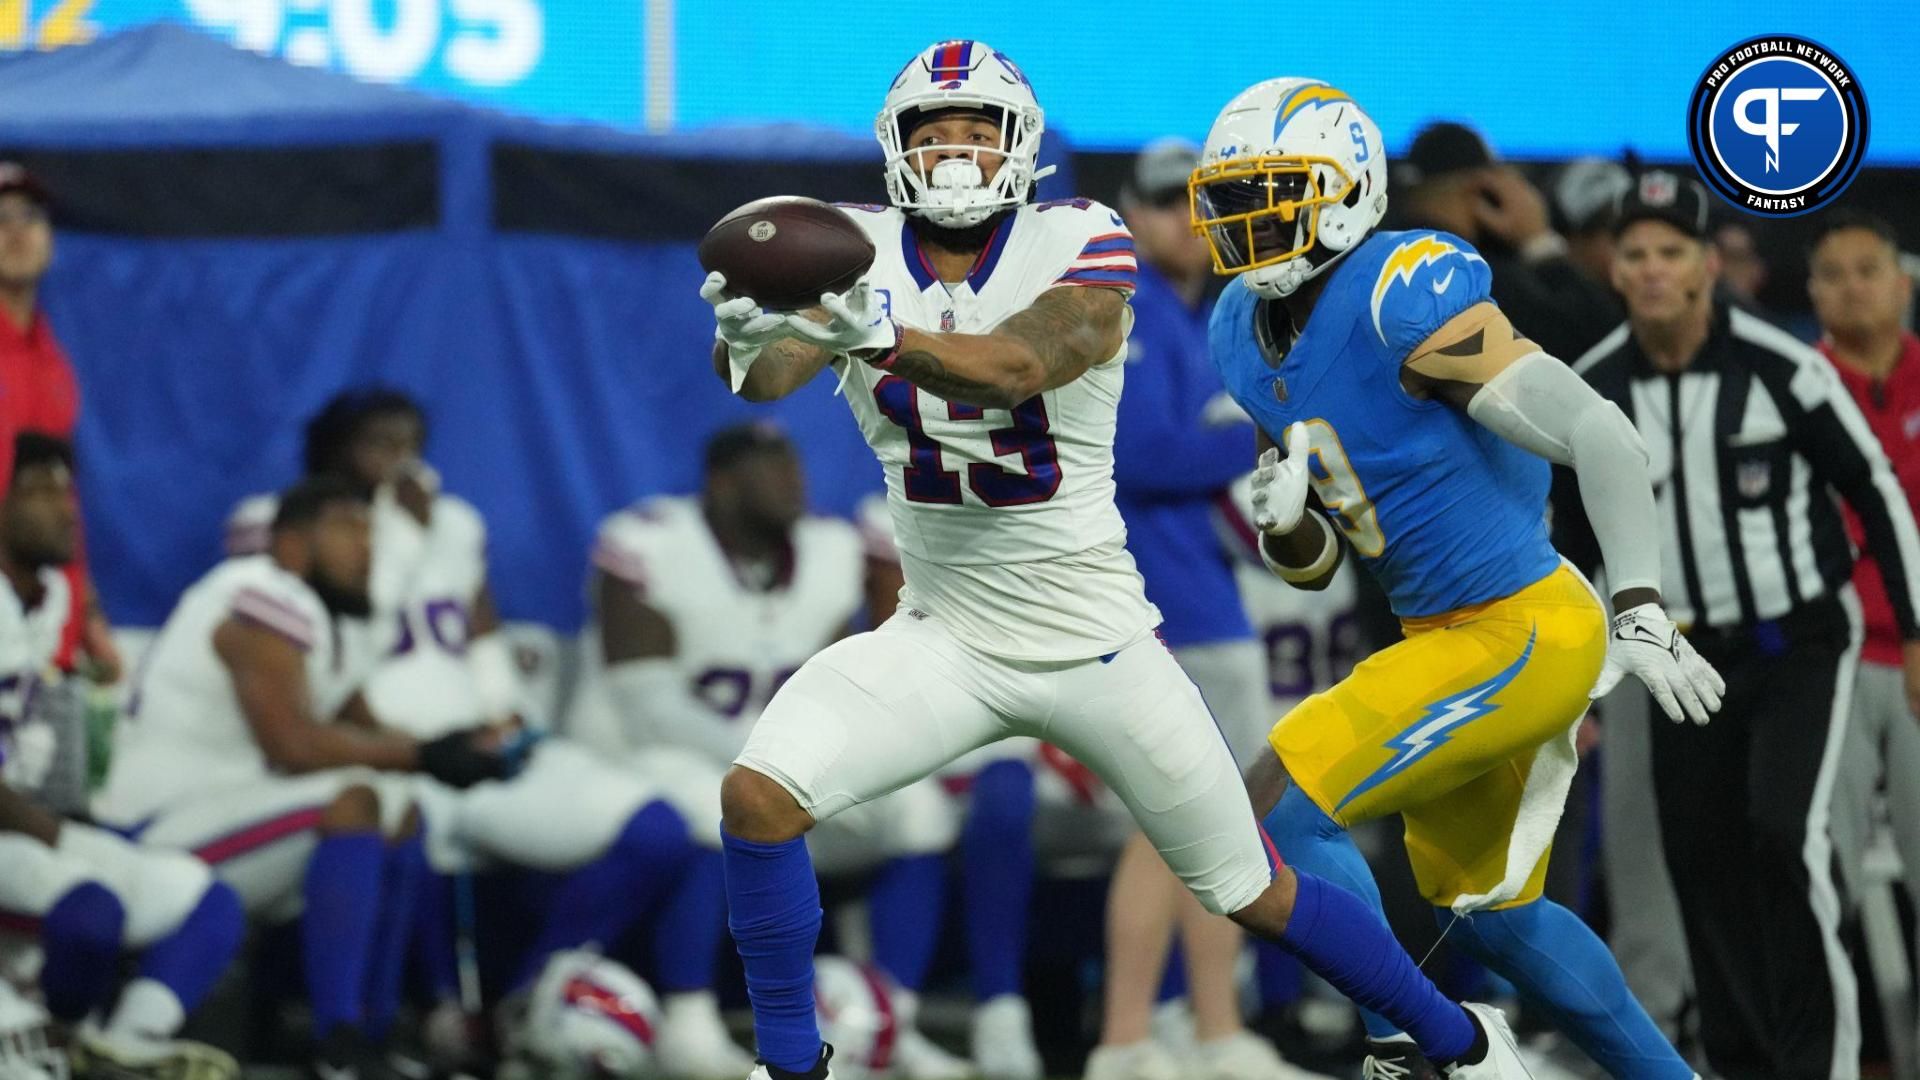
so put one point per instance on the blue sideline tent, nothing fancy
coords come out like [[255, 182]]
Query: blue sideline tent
[[239, 239]]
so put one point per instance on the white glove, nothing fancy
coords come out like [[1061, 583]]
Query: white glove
[[739, 321], [854, 323], [1645, 642], [1280, 487]]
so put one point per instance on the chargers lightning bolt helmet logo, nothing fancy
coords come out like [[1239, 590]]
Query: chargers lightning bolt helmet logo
[[1778, 125], [1439, 723], [1409, 257]]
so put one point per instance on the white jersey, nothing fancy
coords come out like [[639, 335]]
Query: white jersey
[[413, 652], [736, 642], [28, 641], [184, 732], [1004, 519], [1310, 637]]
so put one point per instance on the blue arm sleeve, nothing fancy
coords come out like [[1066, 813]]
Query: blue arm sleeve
[[1160, 448]]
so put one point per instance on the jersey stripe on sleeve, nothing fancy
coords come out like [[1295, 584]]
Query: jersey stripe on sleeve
[[274, 614]]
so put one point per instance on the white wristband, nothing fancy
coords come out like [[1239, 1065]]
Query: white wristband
[[1329, 552]]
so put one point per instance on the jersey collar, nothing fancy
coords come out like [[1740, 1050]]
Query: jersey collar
[[921, 267]]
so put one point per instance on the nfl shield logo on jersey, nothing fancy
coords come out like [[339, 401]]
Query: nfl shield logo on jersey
[[1753, 478], [946, 322]]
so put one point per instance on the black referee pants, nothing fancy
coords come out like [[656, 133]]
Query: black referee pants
[[1743, 804]]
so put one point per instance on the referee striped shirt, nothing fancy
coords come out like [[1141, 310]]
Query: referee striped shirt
[[1748, 448]]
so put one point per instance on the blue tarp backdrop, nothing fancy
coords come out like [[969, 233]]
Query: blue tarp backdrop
[[565, 375]]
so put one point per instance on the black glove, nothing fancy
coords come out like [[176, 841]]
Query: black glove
[[454, 760]]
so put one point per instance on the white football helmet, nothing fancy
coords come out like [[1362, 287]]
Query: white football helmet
[[26, 1047], [1293, 175], [590, 1017], [955, 193], [857, 1014]]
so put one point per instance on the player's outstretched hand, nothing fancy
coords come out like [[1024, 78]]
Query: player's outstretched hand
[[854, 323], [457, 759], [1280, 487], [739, 321], [1645, 642]]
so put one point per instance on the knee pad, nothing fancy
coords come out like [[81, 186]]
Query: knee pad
[[89, 919], [1003, 798], [168, 887]]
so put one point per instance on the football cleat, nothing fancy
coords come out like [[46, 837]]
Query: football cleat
[[1246, 1056], [1396, 1059], [97, 1056], [1503, 1060], [694, 1043], [1003, 1040], [1144, 1060]]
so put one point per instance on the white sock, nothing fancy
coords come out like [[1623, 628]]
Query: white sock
[[148, 1011]]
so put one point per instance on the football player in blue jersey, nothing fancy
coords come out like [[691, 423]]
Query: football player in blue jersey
[[1419, 425]]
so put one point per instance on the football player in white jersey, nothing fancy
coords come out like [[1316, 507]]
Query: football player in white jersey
[[704, 607], [89, 895], [228, 750], [436, 660], [981, 357]]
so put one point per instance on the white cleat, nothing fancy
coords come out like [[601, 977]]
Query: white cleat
[[97, 1054], [916, 1057], [694, 1044], [1503, 1060], [1246, 1056], [1003, 1040], [1144, 1060]]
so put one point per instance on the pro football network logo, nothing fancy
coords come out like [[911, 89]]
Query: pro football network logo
[[1778, 125]]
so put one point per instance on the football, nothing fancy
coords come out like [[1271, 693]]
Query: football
[[787, 250]]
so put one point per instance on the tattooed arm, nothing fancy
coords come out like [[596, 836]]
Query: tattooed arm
[[782, 367], [1054, 341]]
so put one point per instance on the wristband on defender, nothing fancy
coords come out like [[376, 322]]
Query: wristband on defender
[[1329, 552]]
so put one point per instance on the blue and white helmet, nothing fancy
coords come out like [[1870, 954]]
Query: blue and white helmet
[[955, 193], [1293, 175]]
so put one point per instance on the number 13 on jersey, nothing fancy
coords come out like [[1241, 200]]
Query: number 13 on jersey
[[1340, 489], [926, 479]]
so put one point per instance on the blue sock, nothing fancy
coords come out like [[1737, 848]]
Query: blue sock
[[996, 858], [433, 938], [406, 869], [1173, 977], [1279, 974], [1334, 933], [599, 901], [688, 927], [80, 936], [343, 911], [1310, 840], [1560, 965], [191, 959], [908, 897], [773, 909]]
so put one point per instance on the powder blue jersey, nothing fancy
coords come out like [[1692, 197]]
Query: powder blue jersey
[[1442, 511]]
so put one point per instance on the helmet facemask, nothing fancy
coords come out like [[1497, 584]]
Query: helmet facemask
[[954, 192], [1261, 216]]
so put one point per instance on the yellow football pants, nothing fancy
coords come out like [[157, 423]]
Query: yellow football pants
[[1443, 727]]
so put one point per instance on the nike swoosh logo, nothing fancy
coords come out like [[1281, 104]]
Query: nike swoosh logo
[[1441, 285]]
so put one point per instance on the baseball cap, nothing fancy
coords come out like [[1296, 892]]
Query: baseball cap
[[1161, 170], [1586, 190], [1659, 195], [1444, 147], [15, 177]]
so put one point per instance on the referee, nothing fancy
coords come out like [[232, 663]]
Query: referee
[[1749, 435]]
